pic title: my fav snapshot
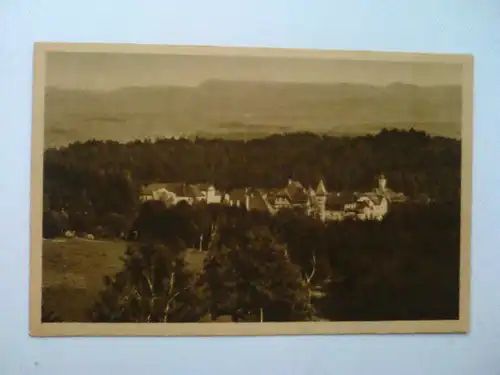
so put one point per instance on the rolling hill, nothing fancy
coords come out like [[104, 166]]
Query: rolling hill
[[241, 109]]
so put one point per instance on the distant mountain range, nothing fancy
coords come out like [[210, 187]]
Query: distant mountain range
[[240, 109]]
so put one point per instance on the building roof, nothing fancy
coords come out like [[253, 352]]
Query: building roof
[[275, 191], [273, 194], [178, 188], [259, 203], [387, 191], [296, 194], [338, 201], [170, 186], [297, 184], [375, 198], [390, 195], [256, 199], [321, 190]]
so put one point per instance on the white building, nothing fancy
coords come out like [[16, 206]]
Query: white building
[[174, 193]]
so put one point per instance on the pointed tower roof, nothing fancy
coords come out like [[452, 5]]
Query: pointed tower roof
[[321, 190]]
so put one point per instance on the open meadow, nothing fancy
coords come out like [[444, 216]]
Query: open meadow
[[74, 271]]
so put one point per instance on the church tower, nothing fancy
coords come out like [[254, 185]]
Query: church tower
[[382, 183], [321, 194]]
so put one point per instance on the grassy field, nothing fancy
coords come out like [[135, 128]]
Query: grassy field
[[73, 272]]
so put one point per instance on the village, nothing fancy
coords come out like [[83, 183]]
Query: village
[[318, 202]]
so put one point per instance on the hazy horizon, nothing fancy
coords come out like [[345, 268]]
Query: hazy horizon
[[164, 86], [106, 71]]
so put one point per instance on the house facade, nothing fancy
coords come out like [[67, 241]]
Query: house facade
[[174, 193], [318, 202], [332, 206]]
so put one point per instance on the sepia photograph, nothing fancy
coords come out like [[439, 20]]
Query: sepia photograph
[[223, 191]]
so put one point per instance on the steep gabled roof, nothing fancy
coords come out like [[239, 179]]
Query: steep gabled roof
[[321, 190], [296, 193], [259, 203]]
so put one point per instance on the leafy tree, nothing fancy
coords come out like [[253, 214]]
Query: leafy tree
[[154, 286], [307, 242], [250, 275]]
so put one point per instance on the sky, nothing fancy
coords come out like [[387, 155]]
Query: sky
[[106, 71]]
